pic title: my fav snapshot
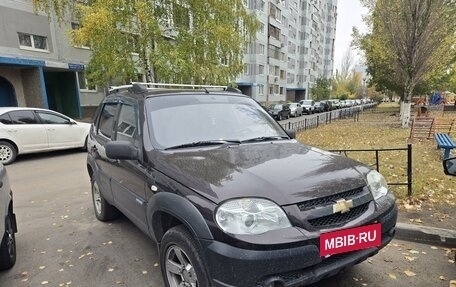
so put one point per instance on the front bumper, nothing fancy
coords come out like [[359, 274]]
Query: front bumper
[[290, 267]]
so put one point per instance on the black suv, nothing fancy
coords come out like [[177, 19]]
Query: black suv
[[229, 196]]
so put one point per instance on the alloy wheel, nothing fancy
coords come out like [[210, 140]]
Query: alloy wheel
[[179, 269]]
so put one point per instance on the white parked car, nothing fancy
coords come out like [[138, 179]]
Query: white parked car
[[7, 223], [30, 130]]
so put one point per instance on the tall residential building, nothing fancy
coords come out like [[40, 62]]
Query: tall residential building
[[294, 46], [39, 67]]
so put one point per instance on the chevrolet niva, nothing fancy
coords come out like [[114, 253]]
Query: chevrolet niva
[[230, 197]]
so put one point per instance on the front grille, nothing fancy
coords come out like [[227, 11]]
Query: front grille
[[309, 204], [338, 219]]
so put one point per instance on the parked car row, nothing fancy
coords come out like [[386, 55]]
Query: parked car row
[[285, 111]]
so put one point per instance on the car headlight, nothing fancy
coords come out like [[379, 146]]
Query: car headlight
[[377, 184], [250, 216]]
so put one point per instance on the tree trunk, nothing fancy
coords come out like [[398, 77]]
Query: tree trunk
[[406, 105]]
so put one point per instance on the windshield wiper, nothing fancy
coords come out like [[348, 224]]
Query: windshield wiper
[[204, 143], [262, 139]]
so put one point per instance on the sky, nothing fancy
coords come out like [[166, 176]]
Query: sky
[[349, 13]]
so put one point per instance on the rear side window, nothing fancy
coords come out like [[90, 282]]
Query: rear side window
[[5, 119], [47, 118], [107, 119], [127, 124], [23, 117]]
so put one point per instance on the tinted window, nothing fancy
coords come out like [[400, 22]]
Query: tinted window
[[5, 119], [106, 122], [127, 124], [23, 117], [48, 118]]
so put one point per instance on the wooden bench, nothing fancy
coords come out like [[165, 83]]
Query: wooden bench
[[444, 141]]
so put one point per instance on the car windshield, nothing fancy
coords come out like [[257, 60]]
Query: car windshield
[[275, 107], [307, 103], [189, 119], [293, 105]]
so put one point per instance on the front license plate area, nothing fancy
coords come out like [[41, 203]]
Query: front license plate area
[[350, 239]]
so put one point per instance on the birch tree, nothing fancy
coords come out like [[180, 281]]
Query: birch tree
[[173, 41]]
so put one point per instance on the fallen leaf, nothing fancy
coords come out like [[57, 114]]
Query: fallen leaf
[[442, 278], [42, 267], [433, 247], [409, 273], [410, 258], [414, 252], [110, 269], [453, 283], [392, 276], [144, 272], [155, 264], [355, 279], [44, 282]]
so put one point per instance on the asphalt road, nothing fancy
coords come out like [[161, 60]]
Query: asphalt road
[[60, 243]]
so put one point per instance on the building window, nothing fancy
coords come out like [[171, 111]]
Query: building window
[[260, 89], [261, 48], [261, 69], [84, 84], [246, 69], [34, 42], [262, 28], [74, 27]]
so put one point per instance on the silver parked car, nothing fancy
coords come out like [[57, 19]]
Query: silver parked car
[[296, 110], [8, 225]]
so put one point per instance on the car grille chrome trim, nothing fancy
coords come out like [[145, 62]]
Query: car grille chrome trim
[[338, 219], [327, 200]]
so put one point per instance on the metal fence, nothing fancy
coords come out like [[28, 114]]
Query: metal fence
[[316, 120], [408, 149]]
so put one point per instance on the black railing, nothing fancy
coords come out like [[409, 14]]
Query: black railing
[[377, 165], [316, 120]]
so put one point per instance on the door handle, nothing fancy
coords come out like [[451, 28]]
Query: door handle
[[12, 131], [51, 129]]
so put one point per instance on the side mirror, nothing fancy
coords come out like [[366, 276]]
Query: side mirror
[[121, 150], [449, 166], [291, 134]]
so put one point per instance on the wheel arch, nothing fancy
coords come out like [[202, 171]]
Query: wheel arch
[[167, 210], [16, 147]]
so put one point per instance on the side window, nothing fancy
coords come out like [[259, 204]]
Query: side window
[[5, 119], [48, 118], [127, 124], [106, 122], [23, 117]]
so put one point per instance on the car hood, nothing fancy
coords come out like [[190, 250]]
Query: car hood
[[284, 171]]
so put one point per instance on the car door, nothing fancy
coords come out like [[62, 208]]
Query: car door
[[103, 131], [128, 177], [61, 131], [26, 131]]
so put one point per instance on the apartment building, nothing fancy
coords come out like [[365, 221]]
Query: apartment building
[[40, 68], [38, 65], [294, 47]]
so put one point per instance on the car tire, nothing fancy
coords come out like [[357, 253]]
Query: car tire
[[103, 210], [181, 259], [8, 152], [288, 116], [280, 117], [8, 246]]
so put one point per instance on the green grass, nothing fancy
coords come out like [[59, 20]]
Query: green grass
[[380, 128]]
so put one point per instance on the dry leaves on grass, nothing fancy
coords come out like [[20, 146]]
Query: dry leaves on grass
[[382, 130]]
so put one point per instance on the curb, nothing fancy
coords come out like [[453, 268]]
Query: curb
[[426, 234]]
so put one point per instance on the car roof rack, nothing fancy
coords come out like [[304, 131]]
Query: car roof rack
[[139, 87]]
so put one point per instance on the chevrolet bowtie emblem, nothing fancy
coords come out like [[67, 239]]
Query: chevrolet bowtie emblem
[[342, 206]]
